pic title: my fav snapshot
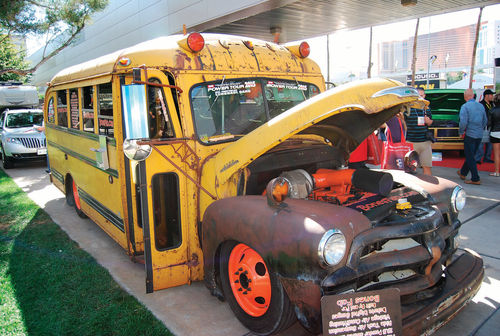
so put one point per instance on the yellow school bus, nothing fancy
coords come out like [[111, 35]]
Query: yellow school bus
[[223, 159]]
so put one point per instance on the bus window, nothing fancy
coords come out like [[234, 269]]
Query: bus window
[[283, 95], [88, 109], [51, 111], [62, 108], [159, 122], [105, 115], [166, 211], [233, 107], [74, 109]]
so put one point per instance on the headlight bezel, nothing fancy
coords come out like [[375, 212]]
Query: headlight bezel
[[458, 199], [323, 248], [13, 140]]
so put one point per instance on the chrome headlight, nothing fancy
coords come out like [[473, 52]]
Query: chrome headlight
[[458, 198], [331, 248], [13, 140]]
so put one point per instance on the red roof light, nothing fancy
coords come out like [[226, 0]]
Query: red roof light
[[195, 42], [304, 49]]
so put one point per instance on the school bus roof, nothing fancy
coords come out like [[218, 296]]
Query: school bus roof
[[221, 53]]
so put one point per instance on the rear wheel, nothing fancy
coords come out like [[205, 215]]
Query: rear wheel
[[73, 199], [254, 294], [7, 162]]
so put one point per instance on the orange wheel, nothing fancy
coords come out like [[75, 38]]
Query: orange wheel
[[76, 197], [249, 279], [253, 291]]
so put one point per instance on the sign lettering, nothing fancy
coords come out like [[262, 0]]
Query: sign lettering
[[362, 314]]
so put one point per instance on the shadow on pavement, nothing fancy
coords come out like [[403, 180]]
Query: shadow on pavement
[[61, 290]]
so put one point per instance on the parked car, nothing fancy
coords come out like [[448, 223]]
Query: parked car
[[445, 107], [22, 136]]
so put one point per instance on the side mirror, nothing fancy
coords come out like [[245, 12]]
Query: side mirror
[[135, 115], [411, 162]]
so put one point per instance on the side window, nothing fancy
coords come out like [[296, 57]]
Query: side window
[[160, 125], [88, 108], [167, 222], [105, 111], [51, 112], [62, 108], [74, 108]]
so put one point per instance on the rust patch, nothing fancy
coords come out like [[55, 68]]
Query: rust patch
[[436, 255]]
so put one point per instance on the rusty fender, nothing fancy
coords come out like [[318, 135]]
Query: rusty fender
[[286, 236]]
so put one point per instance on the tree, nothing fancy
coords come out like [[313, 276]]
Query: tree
[[414, 56], [56, 21], [473, 62], [10, 57]]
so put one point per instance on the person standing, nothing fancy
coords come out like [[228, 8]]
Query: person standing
[[484, 150], [471, 125], [417, 122], [494, 124]]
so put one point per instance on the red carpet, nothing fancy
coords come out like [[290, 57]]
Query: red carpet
[[454, 160]]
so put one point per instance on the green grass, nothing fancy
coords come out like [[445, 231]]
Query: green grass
[[49, 286]]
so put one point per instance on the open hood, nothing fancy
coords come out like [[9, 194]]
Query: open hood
[[345, 116]]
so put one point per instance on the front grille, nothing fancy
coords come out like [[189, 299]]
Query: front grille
[[373, 254], [33, 142]]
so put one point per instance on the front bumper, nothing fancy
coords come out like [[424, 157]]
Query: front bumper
[[462, 281]]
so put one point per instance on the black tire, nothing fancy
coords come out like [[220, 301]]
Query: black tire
[[280, 313], [7, 162], [70, 199]]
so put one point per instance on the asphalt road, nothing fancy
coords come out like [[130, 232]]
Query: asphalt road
[[191, 310]]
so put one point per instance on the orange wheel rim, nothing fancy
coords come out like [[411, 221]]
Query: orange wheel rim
[[76, 197], [249, 279]]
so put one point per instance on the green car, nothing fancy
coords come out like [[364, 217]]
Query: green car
[[445, 106]]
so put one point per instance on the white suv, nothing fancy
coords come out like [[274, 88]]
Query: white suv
[[22, 136]]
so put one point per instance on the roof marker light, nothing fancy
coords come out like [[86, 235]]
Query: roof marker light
[[270, 47], [194, 42], [302, 50], [224, 44], [249, 44], [124, 61]]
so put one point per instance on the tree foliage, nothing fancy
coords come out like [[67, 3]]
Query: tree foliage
[[58, 22], [11, 57]]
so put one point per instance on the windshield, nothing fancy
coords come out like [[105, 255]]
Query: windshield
[[17, 120], [230, 108]]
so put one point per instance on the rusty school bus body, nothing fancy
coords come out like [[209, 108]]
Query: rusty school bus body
[[177, 153]]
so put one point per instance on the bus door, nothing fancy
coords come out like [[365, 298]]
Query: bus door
[[162, 187]]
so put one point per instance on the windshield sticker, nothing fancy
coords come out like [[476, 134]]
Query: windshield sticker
[[285, 85], [231, 88]]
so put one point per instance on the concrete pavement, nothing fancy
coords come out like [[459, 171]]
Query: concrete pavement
[[191, 310]]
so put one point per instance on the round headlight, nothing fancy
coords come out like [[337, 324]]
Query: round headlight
[[331, 248], [458, 198]]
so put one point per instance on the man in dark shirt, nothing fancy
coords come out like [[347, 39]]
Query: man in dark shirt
[[416, 129], [481, 153]]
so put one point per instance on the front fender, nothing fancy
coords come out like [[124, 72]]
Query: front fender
[[286, 236]]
